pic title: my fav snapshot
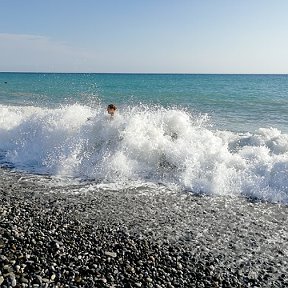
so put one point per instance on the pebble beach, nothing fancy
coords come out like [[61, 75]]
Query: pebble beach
[[62, 237]]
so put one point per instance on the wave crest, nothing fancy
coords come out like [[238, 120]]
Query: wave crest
[[148, 144]]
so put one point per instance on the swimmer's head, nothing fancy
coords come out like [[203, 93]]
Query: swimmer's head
[[111, 108]]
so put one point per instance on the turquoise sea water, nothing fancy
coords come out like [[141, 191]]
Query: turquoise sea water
[[205, 134], [234, 102]]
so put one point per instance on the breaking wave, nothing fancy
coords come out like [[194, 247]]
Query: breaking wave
[[146, 144]]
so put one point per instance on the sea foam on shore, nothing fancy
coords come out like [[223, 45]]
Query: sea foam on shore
[[145, 144]]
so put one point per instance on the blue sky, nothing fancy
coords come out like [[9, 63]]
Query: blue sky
[[171, 36]]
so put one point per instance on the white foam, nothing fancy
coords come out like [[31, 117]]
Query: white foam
[[145, 144]]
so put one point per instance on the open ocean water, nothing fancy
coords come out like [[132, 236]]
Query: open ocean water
[[205, 134]]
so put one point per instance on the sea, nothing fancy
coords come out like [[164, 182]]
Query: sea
[[208, 135]]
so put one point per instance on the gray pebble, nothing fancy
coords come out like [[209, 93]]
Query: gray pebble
[[1, 279], [110, 254]]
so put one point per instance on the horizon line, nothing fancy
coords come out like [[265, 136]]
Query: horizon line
[[142, 73]]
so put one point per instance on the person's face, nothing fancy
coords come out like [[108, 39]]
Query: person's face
[[110, 111]]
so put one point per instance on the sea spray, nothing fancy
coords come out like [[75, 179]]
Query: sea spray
[[145, 144]]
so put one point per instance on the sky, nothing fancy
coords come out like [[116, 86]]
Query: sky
[[144, 36]]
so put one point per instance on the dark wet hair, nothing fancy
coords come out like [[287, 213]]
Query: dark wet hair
[[112, 106]]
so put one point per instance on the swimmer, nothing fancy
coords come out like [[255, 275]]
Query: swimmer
[[111, 109]]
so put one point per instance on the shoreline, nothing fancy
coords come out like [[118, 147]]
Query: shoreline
[[61, 237]]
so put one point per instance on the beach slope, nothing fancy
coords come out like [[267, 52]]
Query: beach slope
[[80, 236]]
